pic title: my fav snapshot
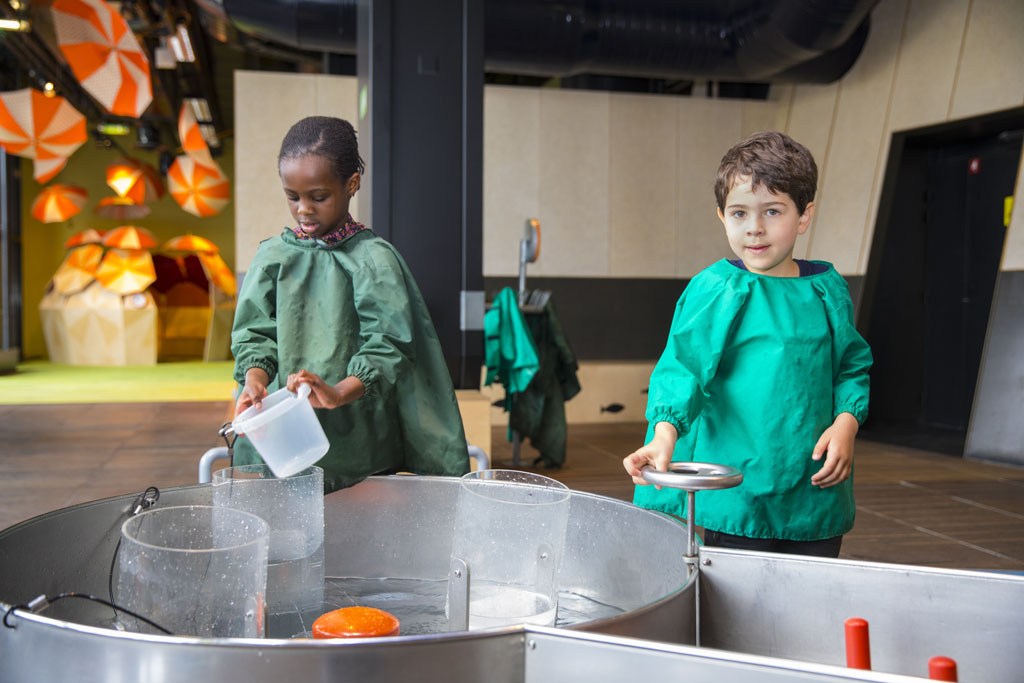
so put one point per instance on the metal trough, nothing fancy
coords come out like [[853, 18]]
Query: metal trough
[[755, 616]]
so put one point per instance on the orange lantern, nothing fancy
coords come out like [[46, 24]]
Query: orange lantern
[[135, 180], [58, 203], [192, 140], [120, 209], [78, 269], [219, 272], [89, 236], [103, 54], [129, 237], [46, 129], [190, 243], [200, 190], [126, 271]]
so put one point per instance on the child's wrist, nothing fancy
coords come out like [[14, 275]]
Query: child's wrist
[[848, 421]]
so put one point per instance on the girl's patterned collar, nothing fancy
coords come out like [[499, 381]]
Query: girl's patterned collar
[[349, 227]]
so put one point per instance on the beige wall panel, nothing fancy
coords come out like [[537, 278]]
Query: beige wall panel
[[759, 116], [1013, 250], [853, 157], [809, 122], [707, 129], [991, 74], [574, 174], [511, 180], [927, 62], [642, 196], [266, 105]]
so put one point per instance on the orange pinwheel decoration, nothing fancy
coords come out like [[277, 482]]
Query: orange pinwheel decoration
[[135, 180], [192, 140], [126, 271], [120, 209], [58, 202], [219, 272], [46, 129], [89, 236], [78, 269], [190, 243], [200, 190], [129, 237], [104, 55]]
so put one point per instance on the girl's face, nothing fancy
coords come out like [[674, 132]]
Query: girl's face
[[317, 198], [762, 228]]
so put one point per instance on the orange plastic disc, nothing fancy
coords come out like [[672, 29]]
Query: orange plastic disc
[[355, 622]]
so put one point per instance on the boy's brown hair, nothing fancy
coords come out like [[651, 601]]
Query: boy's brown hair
[[773, 160]]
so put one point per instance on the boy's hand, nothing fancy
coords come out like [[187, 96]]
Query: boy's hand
[[254, 391], [324, 395], [657, 453], [836, 444]]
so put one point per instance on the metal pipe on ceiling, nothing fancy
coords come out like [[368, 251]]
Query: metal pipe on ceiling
[[742, 40]]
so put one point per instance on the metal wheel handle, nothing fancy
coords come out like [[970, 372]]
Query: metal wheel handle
[[692, 477]]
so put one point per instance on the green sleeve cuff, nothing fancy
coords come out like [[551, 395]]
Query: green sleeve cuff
[[266, 366], [665, 415]]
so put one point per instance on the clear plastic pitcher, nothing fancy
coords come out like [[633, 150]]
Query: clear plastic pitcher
[[294, 509], [195, 570], [509, 532], [284, 430]]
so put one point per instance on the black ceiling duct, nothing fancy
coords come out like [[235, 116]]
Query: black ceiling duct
[[810, 41]]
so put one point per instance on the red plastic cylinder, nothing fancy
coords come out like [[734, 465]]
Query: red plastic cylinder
[[858, 645], [942, 669]]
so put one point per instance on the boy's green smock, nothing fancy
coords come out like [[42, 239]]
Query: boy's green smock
[[352, 308], [755, 369]]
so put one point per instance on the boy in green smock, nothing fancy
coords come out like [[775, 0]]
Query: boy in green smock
[[763, 370], [330, 304]]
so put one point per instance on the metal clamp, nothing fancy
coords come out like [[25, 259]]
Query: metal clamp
[[692, 477]]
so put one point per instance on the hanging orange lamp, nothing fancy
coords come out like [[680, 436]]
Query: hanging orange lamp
[[104, 54], [58, 202], [45, 129], [129, 237]]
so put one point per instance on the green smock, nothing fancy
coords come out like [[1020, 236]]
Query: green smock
[[352, 309], [755, 369], [538, 413], [509, 353]]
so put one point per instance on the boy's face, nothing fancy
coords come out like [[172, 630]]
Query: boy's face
[[317, 198], [762, 228]]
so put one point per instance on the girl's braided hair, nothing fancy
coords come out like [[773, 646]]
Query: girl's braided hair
[[332, 138]]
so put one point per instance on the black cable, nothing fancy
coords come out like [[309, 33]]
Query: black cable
[[147, 499], [84, 596]]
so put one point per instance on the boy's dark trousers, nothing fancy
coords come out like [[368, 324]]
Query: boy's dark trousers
[[828, 547]]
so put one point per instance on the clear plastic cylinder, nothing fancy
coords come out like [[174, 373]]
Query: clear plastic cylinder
[[510, 532], [195, 570], [293, 507]]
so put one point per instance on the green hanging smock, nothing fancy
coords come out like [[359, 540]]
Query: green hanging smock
[[352, 309], [755, 369]]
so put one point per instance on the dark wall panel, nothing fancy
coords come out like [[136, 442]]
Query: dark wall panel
[[614, 318]]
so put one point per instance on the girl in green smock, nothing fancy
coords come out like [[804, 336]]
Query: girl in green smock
[[763, 370], [330, 304]]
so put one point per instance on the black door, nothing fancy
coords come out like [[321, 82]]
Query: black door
[[931, 276], [967, 186]]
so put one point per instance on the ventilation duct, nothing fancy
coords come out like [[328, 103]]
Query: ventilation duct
[[809, 41]]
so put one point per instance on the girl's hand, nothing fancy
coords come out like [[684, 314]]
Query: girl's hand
[[254, 391], [324, 395], [836, 445], [657, 453]]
